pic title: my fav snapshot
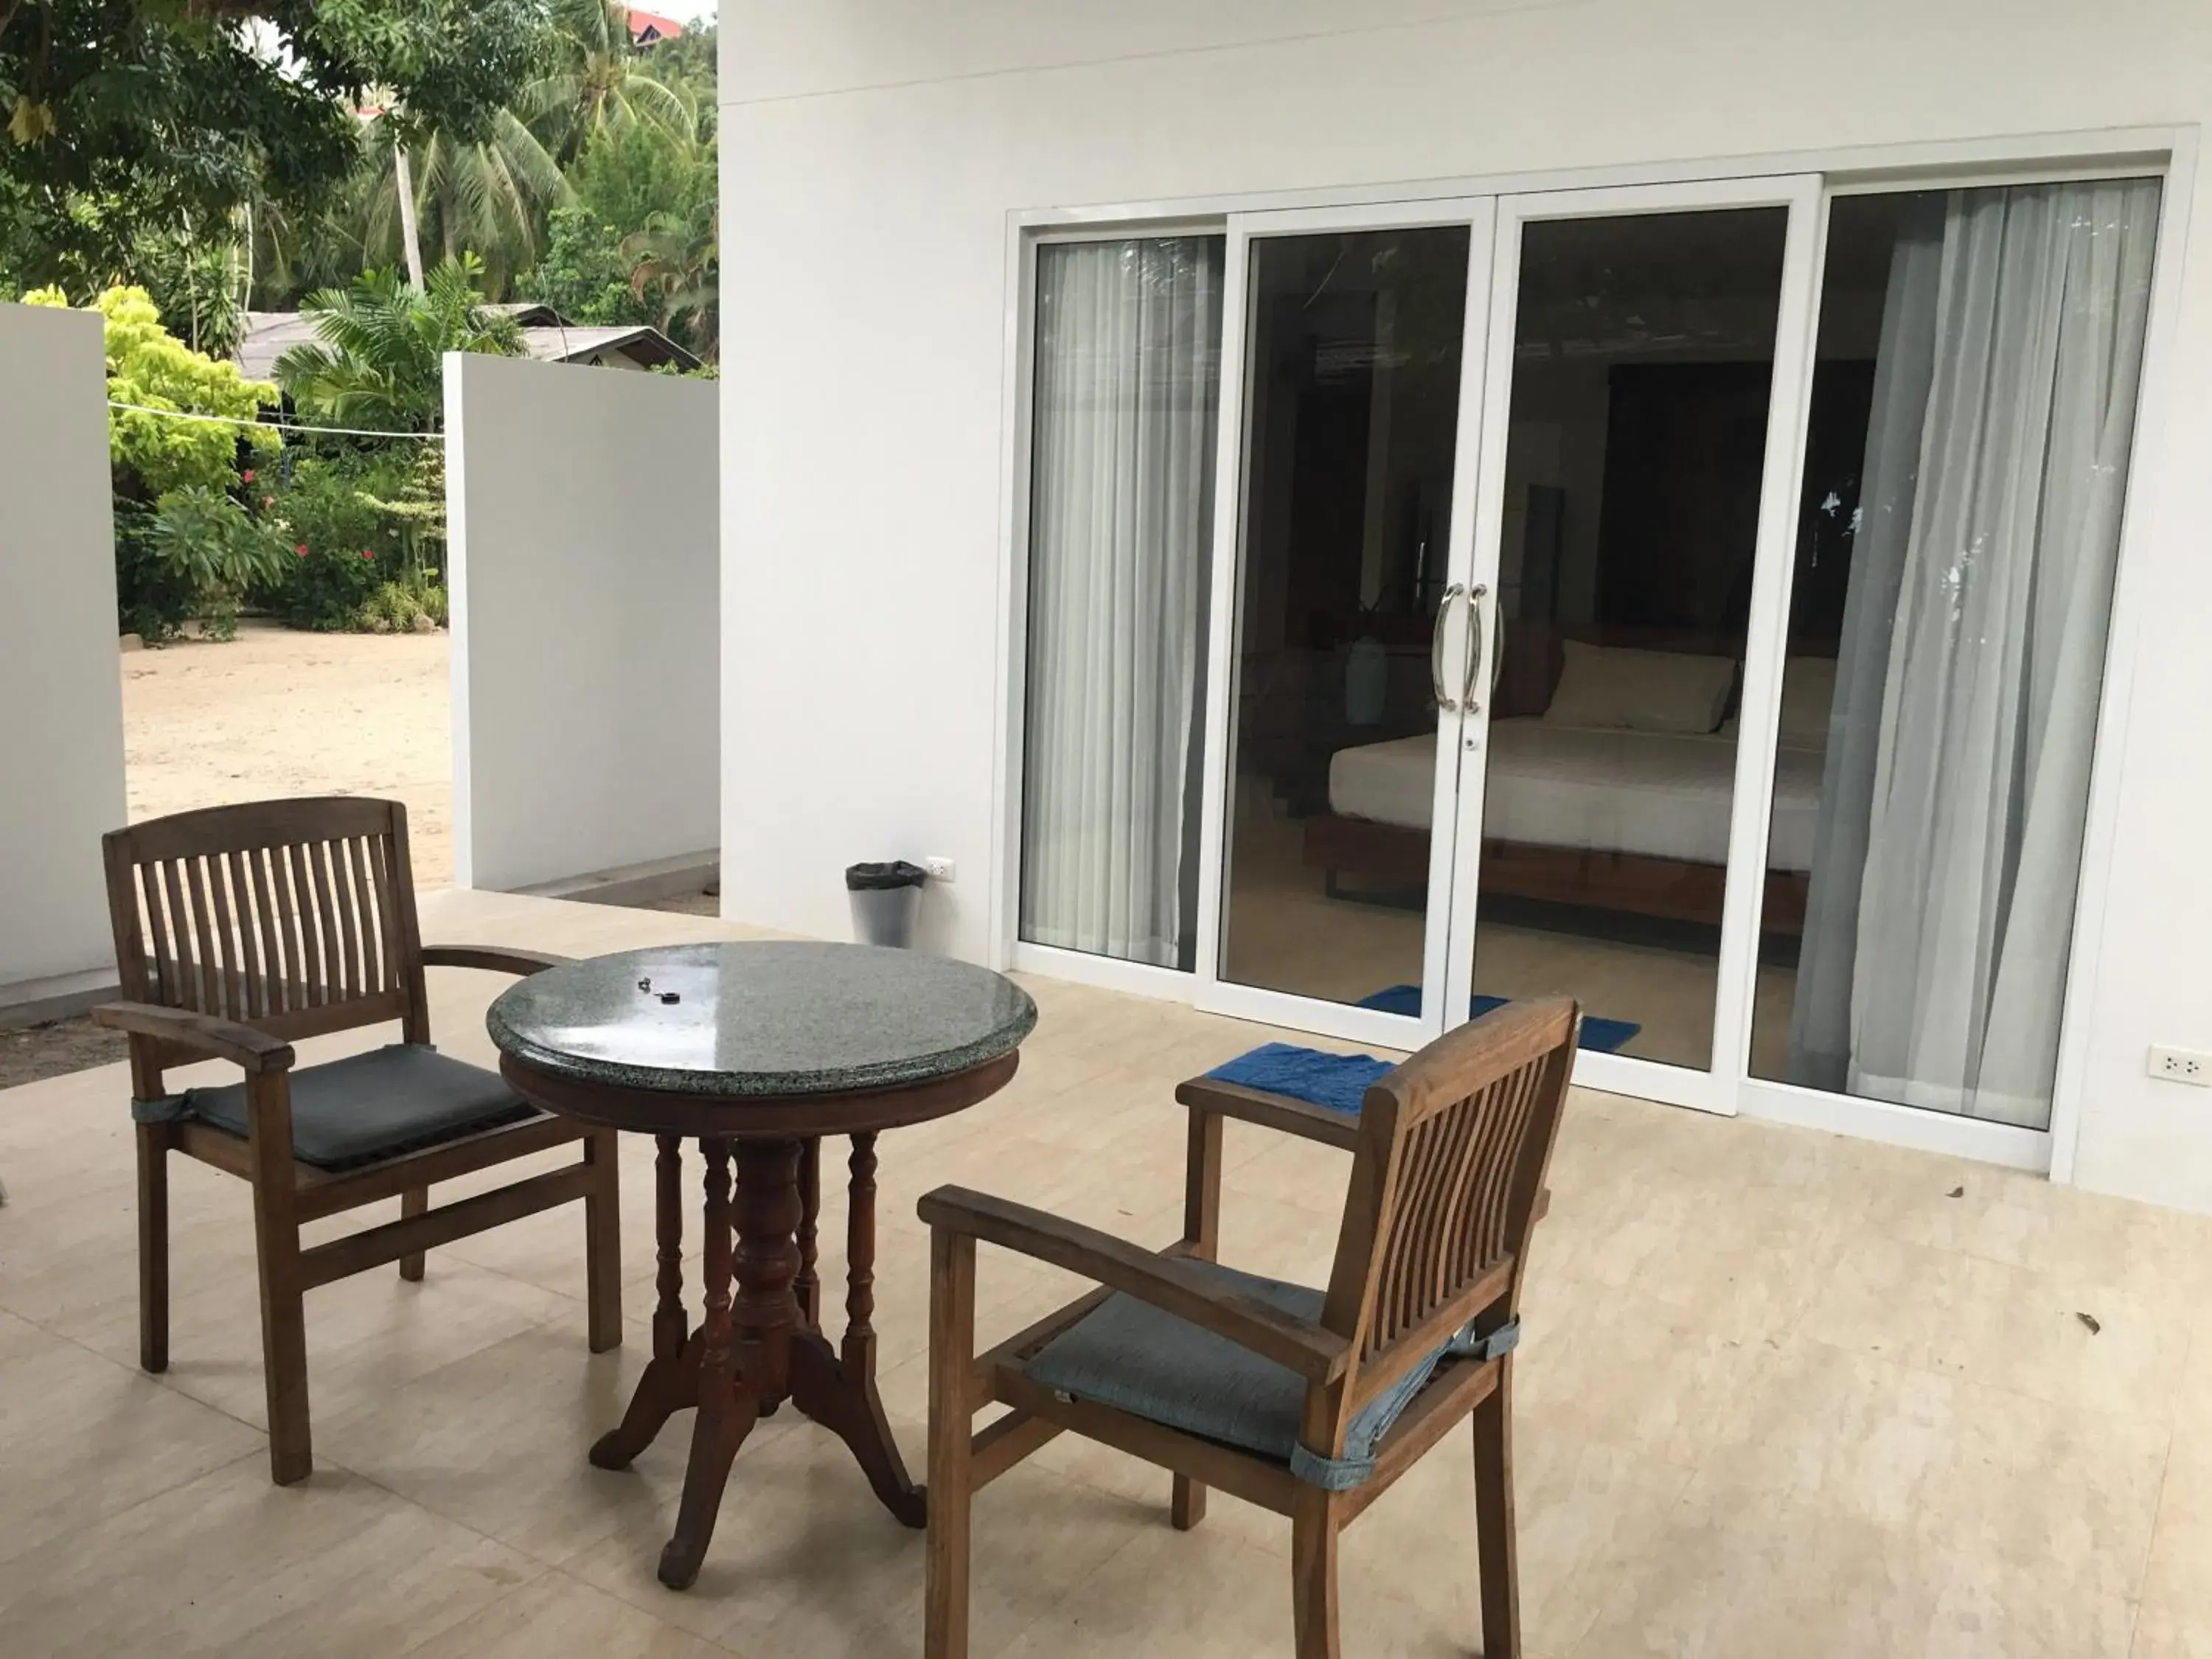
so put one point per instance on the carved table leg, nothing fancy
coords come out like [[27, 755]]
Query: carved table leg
[[839, 1391], [806, 1289], [671, 1382], [726, 1410]]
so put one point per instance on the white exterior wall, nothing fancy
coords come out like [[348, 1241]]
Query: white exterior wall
[[582, 507], [873, 154], [61, 688]]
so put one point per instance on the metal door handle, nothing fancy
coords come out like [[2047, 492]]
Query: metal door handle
[[1437, 650], [1475, 640]]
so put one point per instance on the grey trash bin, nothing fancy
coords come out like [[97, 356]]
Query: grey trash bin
[[885, 898]]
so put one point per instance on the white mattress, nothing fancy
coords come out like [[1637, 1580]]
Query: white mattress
[[1648, 793]]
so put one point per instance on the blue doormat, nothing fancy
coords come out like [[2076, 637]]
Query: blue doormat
[[1338, 1082], [1600, 1037]]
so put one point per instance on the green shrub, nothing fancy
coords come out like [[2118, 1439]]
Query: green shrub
[[194, 551], [340, 545]]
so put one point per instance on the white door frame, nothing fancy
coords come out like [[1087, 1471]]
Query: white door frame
[[1213, 991], [1713, 1089]]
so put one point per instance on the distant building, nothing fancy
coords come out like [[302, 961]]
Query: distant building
[[268, 334], [647, 26]]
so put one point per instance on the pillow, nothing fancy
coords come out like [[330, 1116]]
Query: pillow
[[1612, 686], [1808, 690]]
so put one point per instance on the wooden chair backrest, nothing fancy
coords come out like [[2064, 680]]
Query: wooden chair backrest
[[1454, 1145], [295, 917]]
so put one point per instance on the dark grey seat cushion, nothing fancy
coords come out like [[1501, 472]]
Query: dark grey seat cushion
[[396, 1099], [1151, 1363]]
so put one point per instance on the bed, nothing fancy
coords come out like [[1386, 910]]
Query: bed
[[1609, 818]]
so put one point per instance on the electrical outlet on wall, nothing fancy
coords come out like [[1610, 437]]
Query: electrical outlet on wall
[[940, 869], [2181, 1066]]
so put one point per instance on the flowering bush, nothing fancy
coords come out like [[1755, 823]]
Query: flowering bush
[[344, 544]]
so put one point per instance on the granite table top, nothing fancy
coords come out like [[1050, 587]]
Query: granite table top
[[761, 1018]]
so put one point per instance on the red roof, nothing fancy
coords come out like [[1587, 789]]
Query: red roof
[[651, 25]]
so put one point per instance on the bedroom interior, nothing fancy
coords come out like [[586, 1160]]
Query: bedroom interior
[[1968, 398]]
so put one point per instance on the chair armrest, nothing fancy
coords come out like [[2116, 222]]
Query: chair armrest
[[491, 958], [1174, 1284], [255, 1051], [1296, 1117]]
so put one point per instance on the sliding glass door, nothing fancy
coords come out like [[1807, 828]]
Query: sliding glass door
[[1340, 598], [1635, 489], [1693, 598], [1973, 412]]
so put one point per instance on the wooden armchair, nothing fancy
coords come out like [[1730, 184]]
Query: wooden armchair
[[239, 929], [1306, 1402]]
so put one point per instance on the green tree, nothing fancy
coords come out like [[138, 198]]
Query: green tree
[[149, 368], [584, 275], [130, 118], [188, 538], [379, 363], [597, 80], [674, 267], [488, 197]]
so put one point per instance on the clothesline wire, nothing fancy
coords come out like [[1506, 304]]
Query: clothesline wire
[[278, 425]]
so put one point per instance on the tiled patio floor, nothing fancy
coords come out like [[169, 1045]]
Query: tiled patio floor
[[1782, 1395]]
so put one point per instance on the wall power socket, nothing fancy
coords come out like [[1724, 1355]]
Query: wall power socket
[[2181, 1066], [940, 869]]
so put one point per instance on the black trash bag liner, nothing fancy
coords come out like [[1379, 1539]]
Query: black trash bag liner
[[875, 878]]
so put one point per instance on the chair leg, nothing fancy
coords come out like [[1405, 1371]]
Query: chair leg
[[1201, 1232], [1314, 1526], [1188, 1507], [283, 1329], [153, 1248], [413, 1202], [1493, 1514], [951, 1422], [603, 1241]]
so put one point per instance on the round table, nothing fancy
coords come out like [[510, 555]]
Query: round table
[[757, 1051]]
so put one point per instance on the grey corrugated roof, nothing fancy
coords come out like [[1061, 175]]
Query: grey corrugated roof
[[268, 334]]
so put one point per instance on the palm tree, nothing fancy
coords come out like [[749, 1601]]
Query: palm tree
[[676, 268], [490, 198], [380, 361], [597, 81]]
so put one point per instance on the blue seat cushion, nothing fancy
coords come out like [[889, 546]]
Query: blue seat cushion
[[368, 1107], [1138, 1359]]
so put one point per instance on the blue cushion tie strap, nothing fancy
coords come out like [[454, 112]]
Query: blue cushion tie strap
[[167, 1109], [1343, 1473], [1499, 1343]]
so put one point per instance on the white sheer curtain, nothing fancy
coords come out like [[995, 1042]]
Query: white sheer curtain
[[1127, 361], [1973, 651]]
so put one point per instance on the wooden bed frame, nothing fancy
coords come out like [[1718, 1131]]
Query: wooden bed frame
[[1672, 889]]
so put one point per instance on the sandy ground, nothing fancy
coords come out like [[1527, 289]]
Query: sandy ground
[[273, 713], [279, 712]]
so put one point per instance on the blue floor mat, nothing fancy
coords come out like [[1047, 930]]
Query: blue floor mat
[[1600, 1035]]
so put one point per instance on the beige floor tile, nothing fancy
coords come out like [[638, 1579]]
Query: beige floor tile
[[83, 1439], [231, 1565], [2012, 1327], [2019, 1480], [805, 1561], [556, 1614], [2176, 1603], [1782, 1393], [1732, 1579]]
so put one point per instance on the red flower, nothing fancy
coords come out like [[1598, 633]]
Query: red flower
[[366, 554], [247, 475], [301, 549]]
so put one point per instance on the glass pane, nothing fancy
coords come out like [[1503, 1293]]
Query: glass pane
[[1351, 414], [1972, 410], [1643, 358], [1127, 383]]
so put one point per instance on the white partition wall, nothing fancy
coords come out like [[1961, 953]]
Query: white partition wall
[[583, 569], [61, 696]]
